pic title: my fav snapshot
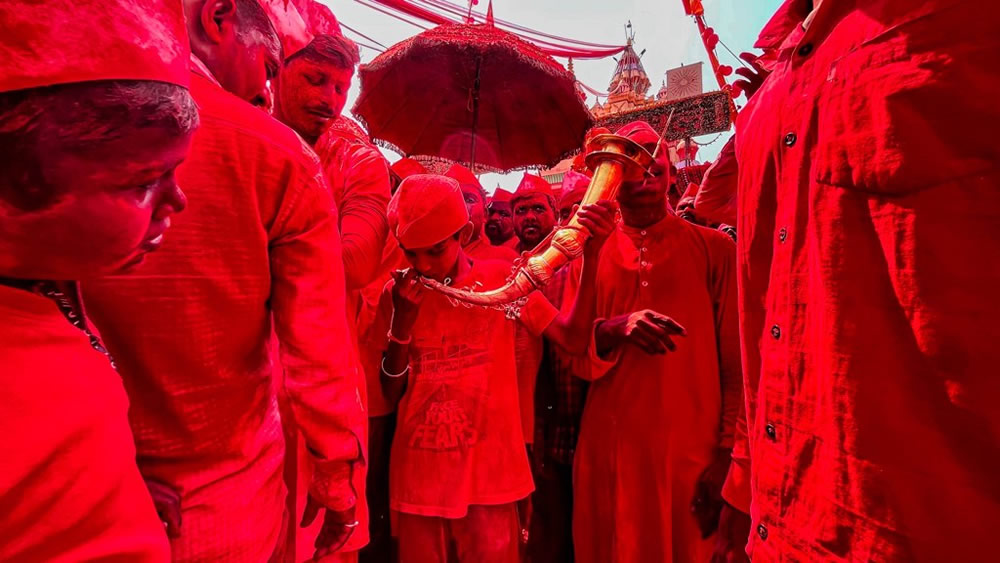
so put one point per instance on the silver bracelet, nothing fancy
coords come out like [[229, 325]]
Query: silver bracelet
[[394, 376]]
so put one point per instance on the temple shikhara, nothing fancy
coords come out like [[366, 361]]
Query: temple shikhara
[[629, 91]]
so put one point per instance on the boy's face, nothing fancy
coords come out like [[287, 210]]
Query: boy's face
[[436, 262], [118, 205]]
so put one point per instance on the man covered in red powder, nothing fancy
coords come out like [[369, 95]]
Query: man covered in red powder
[[312, 90], [258, 250], [657, 430], [478, 245], [458, 460], [500, 219], [92, 128], [534, 207], [869, 198], [311, 93]]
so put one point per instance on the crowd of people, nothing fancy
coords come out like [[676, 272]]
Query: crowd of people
[[217, 344]]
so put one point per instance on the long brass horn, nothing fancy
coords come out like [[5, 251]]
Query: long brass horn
[[618, 159]]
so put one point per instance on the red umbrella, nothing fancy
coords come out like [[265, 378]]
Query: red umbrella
[[473, 94]]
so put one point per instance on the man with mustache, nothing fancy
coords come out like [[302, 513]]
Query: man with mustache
[[311, 93], [92, 128], [258, 254], [657, 430], [534, 212], [500, 219]]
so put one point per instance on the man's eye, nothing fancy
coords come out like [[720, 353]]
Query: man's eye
[[314, 80]]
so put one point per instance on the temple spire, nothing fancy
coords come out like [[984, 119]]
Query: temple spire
[[629, 76]]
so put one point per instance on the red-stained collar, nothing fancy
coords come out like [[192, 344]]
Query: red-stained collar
[[782, 24], [201, 69]]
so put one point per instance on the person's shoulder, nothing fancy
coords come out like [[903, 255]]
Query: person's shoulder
[[718, 245], [252, 126]]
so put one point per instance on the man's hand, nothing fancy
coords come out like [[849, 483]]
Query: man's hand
[[599, 219], [734, 531], [753, 77], [707, 502], [337, 527], [168, 506], [649, 330], [407, 295]]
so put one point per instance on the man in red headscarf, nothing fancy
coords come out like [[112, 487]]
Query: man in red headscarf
[[402, 169], [92, 128], [534, 209], [500, 219], [869, 195], [478, 245], [657, 429], [258, 252], [459, 462]]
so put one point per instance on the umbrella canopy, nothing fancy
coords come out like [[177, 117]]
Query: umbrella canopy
[[473, 94]]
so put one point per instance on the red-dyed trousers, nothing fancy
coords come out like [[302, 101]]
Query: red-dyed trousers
[[487, 534]]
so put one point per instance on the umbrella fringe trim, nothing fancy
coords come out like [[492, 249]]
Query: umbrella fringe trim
[[479, 168]]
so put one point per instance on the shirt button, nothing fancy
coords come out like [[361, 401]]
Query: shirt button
[[771, 432], [645, 284], [782, 234], [790, 139], [805, 50], [762, 531], [643, 233], [644, 249], [776, 332]]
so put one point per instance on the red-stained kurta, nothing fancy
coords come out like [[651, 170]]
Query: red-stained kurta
[[69, 486], [358, 174], [190, 330], [652, 424], [869, 205]]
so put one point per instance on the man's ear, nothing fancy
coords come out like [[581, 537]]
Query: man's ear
[[465, 235], [218, 18]]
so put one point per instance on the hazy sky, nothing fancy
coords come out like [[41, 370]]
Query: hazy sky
[[669, 37]]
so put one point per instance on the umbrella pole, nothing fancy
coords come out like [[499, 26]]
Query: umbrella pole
[[475, 112]]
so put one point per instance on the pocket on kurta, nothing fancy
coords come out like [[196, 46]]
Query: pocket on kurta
[[906, 110]]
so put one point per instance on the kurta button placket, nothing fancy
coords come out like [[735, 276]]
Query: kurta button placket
[[762, 531], [776, 332], [790, 139], [771, 431], [782, 234]]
